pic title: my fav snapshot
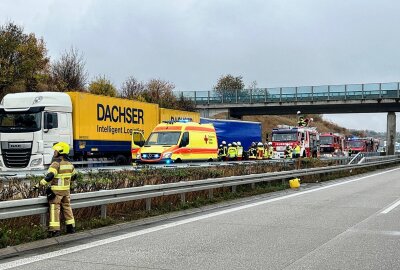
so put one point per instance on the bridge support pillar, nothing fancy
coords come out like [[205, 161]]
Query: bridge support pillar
[[391, 133]]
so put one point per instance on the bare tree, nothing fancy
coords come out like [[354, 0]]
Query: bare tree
[[133, 89], [69, 72], [161, 92], [155, 91]]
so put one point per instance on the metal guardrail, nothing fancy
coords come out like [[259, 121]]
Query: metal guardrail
[[370, 91], [39, 206], [7, 176], [360, 157]]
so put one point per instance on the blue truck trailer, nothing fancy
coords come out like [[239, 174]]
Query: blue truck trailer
[[236, 130]]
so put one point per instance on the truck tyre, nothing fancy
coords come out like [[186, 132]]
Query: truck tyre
[[121, 160], [178, 160]]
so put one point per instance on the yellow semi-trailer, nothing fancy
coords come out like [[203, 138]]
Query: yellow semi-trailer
[[103, 125], [94, 126], [178, 115]]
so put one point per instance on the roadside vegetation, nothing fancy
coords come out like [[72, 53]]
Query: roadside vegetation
[[27, 229]]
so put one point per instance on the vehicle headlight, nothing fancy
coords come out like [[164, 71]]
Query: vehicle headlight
[[36, 162], [167, 155]]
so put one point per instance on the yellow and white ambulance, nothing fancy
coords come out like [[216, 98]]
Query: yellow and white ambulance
[[179, 141]]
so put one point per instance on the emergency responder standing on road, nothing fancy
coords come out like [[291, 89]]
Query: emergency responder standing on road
[[59, 176], [252, 151], [260, 150], [297, 150], [231, 152], [224, 151], [270, 150], [266, 151], [220, 151], [239, 151], [288, 152]]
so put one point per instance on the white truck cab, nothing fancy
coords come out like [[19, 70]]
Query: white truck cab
[[30, 124]]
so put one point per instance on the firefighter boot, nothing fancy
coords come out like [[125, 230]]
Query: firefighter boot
[[54, 233], [70, 228]]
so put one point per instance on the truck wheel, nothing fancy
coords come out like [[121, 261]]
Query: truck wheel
[[121, 160], [178, 160]]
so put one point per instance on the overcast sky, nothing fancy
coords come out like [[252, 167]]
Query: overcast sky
[[192, 43]]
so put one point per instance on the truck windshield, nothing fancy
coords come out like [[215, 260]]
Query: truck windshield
[[355, 144], [326, 140], [284, 137], [20, 122], [163, 138]]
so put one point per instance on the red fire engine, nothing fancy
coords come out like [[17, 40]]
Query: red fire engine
[[306, 137], [362, 145], [331, 144]]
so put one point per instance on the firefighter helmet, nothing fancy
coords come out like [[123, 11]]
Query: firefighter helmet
[[62, 148]]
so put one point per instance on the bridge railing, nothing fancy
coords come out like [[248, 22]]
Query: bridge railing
[[371, 91]]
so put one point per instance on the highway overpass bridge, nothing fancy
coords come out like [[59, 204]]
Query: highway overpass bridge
[[323, 99]]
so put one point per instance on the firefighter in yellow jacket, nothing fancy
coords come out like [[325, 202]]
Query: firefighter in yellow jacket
[[60, 175]]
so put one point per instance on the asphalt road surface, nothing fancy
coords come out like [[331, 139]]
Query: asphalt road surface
[[351, 223]]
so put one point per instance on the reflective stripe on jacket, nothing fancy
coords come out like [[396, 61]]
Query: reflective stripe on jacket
[[63, 171]]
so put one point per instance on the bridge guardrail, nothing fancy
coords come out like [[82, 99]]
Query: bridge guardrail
[[38, 206], [370, 91]]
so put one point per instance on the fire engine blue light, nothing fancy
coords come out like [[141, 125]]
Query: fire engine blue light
[[156, 155], [144, 155], [168, 161]]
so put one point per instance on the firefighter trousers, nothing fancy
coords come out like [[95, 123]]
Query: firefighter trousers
[[61, 201]]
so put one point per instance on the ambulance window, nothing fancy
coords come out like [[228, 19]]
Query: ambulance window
[[185, 139]]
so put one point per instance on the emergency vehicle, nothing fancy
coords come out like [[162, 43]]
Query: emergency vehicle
[[357, 144], [306, 137], [176, 142], [331, 144]]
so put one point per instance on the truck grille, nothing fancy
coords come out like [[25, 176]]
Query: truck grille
[[16, 158], [150, 156]]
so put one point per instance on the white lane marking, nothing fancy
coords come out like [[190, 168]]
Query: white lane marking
[[66, 251], [390, 208]]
